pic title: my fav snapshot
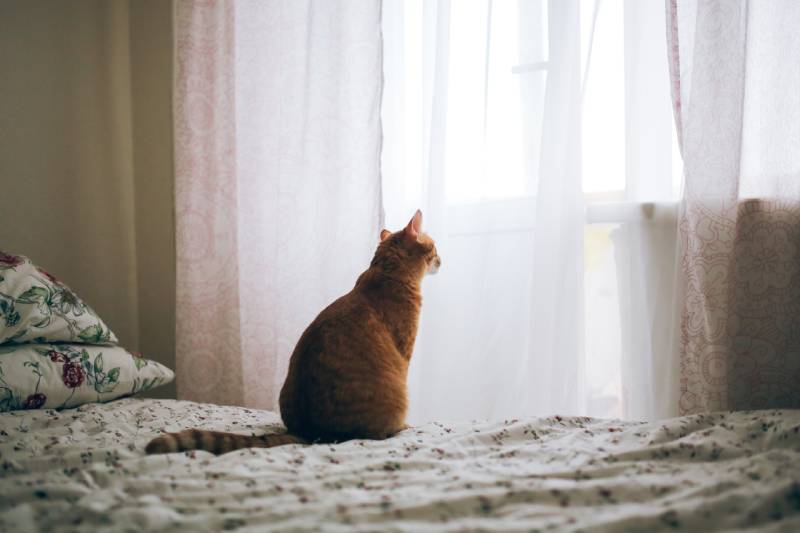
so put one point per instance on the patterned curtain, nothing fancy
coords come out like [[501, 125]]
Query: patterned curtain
[[277, 185], [736, 93]]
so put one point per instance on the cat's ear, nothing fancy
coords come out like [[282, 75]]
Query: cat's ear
[[384, 234], [414, 227]]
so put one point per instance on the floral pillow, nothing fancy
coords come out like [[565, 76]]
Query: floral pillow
[[55, 376], [36, 307]]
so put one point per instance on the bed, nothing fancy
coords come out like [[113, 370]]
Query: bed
[[84, 469]]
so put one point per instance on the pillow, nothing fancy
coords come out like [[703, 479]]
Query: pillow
[[55, 376], [36, 307]]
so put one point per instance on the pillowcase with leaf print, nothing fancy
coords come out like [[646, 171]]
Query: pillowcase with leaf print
[[56, 376], [37, 307]]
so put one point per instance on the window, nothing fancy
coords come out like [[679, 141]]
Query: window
[[466, 140], [494, 153]]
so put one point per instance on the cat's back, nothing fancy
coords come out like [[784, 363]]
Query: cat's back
[[349, 327], [345, 353]]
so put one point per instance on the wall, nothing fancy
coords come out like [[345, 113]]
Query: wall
[[151, 76], [86, 156]]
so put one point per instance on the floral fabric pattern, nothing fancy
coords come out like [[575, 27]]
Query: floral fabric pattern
[[37, 307], [85, 469], [35, 376], [740, 218], [255, 191]]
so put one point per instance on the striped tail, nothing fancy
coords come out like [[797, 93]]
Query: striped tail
[[217, 442]]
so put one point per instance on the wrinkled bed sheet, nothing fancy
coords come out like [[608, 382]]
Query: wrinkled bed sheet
[[84, 469]]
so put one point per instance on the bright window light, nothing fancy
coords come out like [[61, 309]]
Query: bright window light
[[496, 95], [493, 112]]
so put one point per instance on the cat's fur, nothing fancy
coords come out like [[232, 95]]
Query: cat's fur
[[347, 374]]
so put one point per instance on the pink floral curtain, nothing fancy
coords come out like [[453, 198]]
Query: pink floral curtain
[[736, 93], [277, 186]]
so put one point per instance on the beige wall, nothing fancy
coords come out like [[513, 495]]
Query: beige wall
[[86, 156], [151, 76]]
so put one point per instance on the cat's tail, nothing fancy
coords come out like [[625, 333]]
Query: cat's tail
[[217, 442]]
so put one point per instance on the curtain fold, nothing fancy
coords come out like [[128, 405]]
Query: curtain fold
[[646, 244], [277, 193], [736, 93], [553, 376]]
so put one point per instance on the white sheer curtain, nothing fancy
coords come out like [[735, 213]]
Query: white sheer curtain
[[504, 121], [736, 89], [277, 194], [629, 66]]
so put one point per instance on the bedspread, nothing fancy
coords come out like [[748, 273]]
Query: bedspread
[[85, 469]]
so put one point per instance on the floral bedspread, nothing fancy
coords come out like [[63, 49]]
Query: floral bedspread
[[84, 469]]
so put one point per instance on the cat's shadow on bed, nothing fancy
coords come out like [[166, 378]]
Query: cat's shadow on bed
[[347, 374]]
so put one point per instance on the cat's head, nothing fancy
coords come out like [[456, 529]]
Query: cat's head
[[412, 246]]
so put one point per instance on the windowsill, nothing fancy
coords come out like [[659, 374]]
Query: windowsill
[[519, 214], [621, 212]]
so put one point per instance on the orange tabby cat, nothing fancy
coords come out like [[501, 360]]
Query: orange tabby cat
[[347, 374]]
